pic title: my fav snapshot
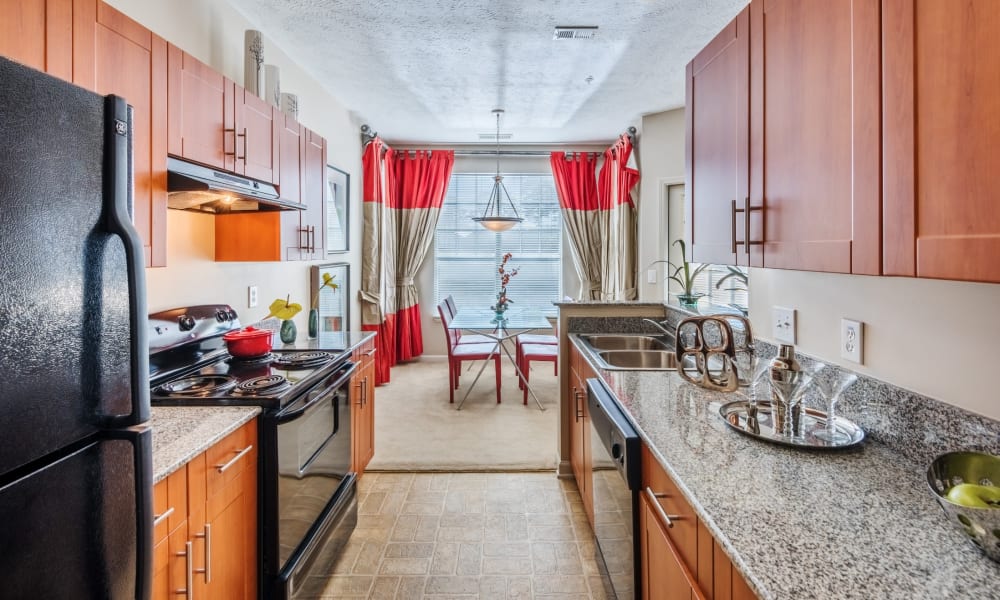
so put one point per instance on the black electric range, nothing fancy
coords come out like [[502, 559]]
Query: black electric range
[[304, 434]]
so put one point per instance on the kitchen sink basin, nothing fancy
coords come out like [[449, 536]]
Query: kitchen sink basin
[[639, 360], [625, 342]]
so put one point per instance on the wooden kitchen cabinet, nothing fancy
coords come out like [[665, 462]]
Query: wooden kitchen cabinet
[[284, 235], [216, 496], [814, 135], [363, 407], [813, 164], [580, 458], [112, 54], [201, 112], [257, 131], [39, 34], [679, 557], [941, 81], [717, 146]]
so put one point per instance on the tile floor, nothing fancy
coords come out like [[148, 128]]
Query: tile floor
[[468, 535]]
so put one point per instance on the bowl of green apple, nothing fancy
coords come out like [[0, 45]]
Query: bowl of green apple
[[967, 487]]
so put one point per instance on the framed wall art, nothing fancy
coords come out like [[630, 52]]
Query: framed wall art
[[338, 196], [330, 285]]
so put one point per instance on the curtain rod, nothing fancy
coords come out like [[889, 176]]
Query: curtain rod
[[367, 135]]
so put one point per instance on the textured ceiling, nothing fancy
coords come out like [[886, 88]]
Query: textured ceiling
[[432, 71]]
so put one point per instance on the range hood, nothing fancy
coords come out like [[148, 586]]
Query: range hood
[[203, 189]]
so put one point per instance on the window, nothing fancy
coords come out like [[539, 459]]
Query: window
[[466, 254], [732, 291]]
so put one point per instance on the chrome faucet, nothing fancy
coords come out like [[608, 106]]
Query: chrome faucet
[[659, 326]]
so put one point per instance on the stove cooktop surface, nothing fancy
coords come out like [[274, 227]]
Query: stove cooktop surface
[[270, 381]]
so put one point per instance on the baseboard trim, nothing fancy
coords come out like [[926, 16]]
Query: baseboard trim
[[564, 470]]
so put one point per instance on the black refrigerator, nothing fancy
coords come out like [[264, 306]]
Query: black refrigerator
[[75, 453]]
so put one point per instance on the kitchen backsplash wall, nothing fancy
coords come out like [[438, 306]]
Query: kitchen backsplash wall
[[213, 33]]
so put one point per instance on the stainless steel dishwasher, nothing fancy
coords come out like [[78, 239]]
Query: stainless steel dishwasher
[[617, 474]]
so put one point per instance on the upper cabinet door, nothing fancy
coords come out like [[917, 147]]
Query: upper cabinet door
[[815, 135], [258, 126], [200, 112], [314, 192], [940, 142], [39, 34], [718, 101], [115, 55]]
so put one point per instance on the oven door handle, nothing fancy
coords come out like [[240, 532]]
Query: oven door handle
[[345, 374]]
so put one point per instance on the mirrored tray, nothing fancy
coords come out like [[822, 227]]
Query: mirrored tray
[[737, 415]]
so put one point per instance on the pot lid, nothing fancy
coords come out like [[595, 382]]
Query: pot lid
[[246, 333]]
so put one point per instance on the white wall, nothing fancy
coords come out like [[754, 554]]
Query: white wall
[[213, 33], [932, 337], [661, 161]]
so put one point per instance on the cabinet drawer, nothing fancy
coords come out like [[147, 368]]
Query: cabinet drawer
[[170, 507], [684, 532], [226, 460]]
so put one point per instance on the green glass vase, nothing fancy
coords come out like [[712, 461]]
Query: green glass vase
[[313, 323], [288, 331]]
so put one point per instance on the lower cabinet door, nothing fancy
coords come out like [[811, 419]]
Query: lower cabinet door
[[231, 539], [664, 577], [172, 566]]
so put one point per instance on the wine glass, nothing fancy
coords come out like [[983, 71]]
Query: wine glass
[[831, 383], [789, 387]]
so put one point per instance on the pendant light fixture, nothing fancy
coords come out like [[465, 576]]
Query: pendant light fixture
[[492, 219]]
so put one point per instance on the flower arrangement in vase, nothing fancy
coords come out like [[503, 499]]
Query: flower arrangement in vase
[[285, 310], [314, 306], [503, 301]]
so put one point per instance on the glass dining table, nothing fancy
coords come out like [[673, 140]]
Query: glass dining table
[[485, 322]]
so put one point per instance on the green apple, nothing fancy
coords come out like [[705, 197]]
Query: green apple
[[975, 496]]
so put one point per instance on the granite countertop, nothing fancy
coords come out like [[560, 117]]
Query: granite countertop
[[181, 433], [854, 523], [341, 340]]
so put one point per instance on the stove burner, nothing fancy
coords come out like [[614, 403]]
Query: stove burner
[[197, 387], [303, 360], [262, 386], [257, 361]]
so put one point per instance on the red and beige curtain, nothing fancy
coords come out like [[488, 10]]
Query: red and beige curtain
[[402, 195], [599, 215]]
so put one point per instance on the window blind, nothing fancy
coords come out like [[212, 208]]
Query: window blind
[[466, 254], [732, 291]]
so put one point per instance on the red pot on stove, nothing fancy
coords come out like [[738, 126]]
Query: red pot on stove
[[248, 342]]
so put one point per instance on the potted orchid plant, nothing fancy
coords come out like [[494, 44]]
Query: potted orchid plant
[[503, 301]]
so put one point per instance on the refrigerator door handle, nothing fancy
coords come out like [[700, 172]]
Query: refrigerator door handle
[[118, 221], [142, 452]]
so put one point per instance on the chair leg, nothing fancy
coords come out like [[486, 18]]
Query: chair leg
[[496, 362], [555, 367], [526, 369], [451, 381]]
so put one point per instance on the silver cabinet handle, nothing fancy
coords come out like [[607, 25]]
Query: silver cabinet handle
[[653, 498], [188, 591], [371, 352], [746, 225], [161, 518], [244, 136], [207, 535], [234, 460], [734, 210]]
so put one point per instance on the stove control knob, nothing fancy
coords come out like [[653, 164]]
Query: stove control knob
[[232, 314], [186, 322], [616, 451], [221, 316]]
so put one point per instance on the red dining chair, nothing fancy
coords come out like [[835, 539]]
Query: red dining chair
[[534, 338], [536, 352], [465, 338], [457, 353]]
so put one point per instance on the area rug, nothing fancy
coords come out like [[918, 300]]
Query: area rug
[[416, 429]]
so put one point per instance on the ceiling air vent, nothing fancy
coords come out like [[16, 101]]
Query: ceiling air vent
[[492, 136], [574, 32]]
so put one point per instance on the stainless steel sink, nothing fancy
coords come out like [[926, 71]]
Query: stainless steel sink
[[639, 360], [625, 342]]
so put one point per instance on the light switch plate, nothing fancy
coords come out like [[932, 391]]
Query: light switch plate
[[651, 276], [783, 324], [252, 296], [852, 340]]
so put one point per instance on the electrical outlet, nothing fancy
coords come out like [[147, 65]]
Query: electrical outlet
[[783, 324], [651, 276], [252, 296], [852, 340]]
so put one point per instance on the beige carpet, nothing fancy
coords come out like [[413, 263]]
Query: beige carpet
[[416, 429]]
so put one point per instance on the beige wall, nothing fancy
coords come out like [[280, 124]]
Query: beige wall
[[661, 162], [213, 33], [932, 337]]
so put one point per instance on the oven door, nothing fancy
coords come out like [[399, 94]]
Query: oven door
[[310, 497]]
